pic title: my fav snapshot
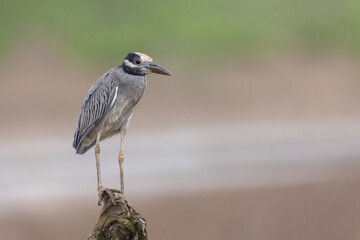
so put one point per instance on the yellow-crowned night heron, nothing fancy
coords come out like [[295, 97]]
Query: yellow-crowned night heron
[[108, 107]]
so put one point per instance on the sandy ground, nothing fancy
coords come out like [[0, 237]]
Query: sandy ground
[[327, 210]]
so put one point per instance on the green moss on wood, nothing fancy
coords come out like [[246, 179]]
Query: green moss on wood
[[120, 222]]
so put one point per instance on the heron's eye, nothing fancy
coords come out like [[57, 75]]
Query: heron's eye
[[137, 61]]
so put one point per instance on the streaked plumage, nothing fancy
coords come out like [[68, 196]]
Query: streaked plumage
[[109, 105]]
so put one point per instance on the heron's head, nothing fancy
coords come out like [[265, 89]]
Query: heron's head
[[141, 64]]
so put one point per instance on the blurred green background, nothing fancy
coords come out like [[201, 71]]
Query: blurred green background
[[255, 136], [97, 31]]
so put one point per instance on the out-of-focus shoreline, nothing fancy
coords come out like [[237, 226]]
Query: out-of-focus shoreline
[[207, 157]]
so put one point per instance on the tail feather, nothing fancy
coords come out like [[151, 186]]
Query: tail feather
[[75, 141], [81, 149]]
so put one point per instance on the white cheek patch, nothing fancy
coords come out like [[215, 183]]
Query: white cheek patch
[[129, 64], [144, 58]]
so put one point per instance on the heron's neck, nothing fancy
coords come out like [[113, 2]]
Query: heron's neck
[[133, 70]]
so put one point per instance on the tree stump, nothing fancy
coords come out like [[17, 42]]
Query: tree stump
[[119, 222]]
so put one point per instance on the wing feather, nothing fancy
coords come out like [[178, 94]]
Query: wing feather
[[97, 103]]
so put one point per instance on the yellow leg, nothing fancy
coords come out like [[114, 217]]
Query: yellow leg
[[121, 161], [100, 188]]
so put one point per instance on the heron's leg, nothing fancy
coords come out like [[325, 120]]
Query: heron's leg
[[98, 171], [121, 161], [101, 189]]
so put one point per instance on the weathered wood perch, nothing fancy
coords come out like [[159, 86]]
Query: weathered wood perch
[[119, 222]]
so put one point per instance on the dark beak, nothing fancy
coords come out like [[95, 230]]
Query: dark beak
[[157, 68]]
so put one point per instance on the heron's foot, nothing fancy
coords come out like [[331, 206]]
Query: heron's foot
[[113, 195]]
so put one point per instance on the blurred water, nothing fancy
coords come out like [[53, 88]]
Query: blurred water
[[199, 158]]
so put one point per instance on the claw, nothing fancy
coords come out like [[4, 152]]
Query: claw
[[114, 195]]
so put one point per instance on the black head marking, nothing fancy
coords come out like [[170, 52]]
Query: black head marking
[[131, 67], [132, 57]]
